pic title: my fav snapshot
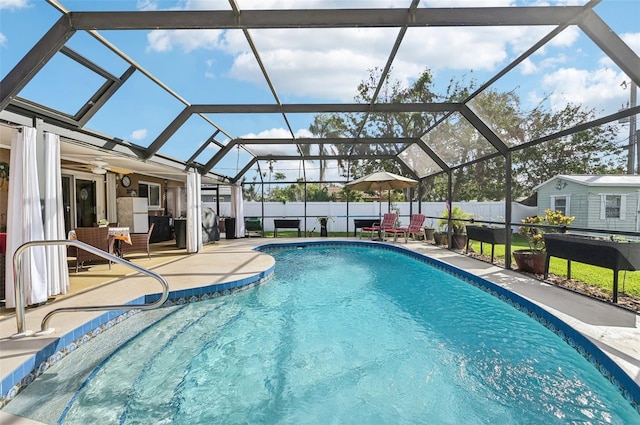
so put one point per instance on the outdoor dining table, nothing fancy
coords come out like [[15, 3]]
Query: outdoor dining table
[[116, 234]]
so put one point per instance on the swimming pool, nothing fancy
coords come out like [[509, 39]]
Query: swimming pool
[[346, 334]]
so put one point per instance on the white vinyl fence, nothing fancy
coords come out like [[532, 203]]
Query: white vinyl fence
[[488, 211]]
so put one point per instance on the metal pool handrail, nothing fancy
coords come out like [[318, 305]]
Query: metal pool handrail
[[17, 281]]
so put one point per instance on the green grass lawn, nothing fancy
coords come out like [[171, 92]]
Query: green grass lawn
[[629, 282]]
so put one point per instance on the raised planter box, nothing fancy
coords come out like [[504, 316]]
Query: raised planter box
[[597, 252], [486, 234]]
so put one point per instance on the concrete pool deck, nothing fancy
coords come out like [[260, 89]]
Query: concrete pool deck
[[616, 331]]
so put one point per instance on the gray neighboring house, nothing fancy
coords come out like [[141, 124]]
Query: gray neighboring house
[[607, 202]]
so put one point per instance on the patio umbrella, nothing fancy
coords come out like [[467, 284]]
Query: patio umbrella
[[381, 180]]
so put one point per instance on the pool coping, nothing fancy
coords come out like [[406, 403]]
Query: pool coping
[[13, 383]]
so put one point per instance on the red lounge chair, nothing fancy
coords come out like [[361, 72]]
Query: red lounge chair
[[388, 222], [415, 227]]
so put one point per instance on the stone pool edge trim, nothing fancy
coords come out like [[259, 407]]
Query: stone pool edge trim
[[17, 380], [629, 389]]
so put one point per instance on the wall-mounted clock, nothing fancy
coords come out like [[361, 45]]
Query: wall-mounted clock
[[126, 181]]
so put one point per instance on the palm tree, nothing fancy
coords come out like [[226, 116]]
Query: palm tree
[[324, 126]]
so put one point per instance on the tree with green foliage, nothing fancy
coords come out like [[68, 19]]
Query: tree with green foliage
[[592, 151], [249, 190], [456, 141]]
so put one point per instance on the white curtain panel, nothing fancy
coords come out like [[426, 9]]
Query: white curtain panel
[[24, 220], [57, 267], [237, 209], [194, 212], [112, 212]]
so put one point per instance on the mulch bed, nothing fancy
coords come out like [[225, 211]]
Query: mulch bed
[[624, 300]]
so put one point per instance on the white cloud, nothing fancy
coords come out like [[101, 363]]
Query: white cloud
[[527, 67], [307, 62], [275, 133], [303, 132], [632, 40], [566, 38], [523, 38], [186, 40], [3, 40], [332, 74], [466, 49], [311, 63], [330, 63], [599, 88], [139, 134], [14, 4]]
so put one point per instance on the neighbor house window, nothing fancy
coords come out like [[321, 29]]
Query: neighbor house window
[[151, 191], [560, 203], [613, 206]]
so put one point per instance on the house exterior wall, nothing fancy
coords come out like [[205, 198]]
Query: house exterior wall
[[586, 204], [577, 200], [630, 209]]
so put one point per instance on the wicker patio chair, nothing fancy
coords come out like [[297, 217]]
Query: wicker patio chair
[[94, 236], [139, 243]]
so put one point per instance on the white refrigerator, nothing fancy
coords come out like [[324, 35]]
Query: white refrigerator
[[133, 213]]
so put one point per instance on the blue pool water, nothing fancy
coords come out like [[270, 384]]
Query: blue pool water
[[349, 335]]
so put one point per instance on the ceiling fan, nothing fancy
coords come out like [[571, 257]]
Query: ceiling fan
[[98, 166]]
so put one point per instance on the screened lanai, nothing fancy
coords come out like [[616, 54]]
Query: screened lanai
[[245, 92], [102, 73]]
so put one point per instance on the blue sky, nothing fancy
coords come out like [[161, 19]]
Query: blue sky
[[311, 66]]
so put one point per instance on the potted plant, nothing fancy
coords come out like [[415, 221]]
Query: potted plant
[[458, 226], [532, 260], [323, 220], [440, 236], [429, 231]]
